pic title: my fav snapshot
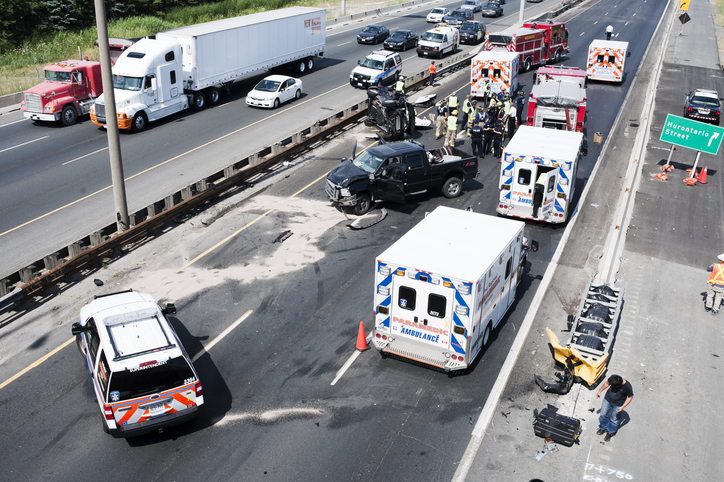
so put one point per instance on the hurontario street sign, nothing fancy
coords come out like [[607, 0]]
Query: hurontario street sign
[[692, 134]]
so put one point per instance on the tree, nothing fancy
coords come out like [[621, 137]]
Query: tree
[[62, 15]]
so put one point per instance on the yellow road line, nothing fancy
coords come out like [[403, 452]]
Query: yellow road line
[[34, 364]]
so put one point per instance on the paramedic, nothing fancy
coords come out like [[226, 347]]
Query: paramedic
[[540, 186]]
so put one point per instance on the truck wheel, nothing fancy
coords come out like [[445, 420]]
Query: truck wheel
[[363, 204], [69, 115], [310, 64], [453, 187], [139, 122], [213, 95], [558, 56], [486, 335], [301, 67], [199, 101], [527, 65]]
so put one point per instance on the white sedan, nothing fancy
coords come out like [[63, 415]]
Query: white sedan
[[437, 14], [274, 91]]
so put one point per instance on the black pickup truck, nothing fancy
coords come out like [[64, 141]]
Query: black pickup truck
[[391, 172]]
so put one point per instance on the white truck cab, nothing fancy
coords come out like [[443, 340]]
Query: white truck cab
[[138, 370], [438, 41]]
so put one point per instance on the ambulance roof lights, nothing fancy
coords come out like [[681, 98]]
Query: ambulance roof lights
[[507, 172], [400, 272], [435, 281], [563, 182], [411, 275], [462, 310], [463, 289], [385, 270], [383, 290], [566, 166], [447, 284]]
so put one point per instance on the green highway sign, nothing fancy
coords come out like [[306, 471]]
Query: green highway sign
[[692, 134]]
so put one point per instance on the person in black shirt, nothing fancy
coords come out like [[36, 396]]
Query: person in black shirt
[[617, 398], [476, 140]]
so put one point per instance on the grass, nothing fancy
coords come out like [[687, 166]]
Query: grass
[[23, 68]]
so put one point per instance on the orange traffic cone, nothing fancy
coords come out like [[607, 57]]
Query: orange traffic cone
[[662, 176], [361, 338], [702, 176]]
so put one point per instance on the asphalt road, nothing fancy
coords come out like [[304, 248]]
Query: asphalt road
[[55, 180], [271, 412]]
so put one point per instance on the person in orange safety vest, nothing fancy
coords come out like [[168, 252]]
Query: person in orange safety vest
[[715, 284]]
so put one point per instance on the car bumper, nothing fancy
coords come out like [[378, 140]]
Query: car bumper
[[42, 117], [165, 421], [703, 118], [370, 40], [268, 103]]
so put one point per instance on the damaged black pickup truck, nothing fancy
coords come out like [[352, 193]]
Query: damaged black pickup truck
[[391, 172]]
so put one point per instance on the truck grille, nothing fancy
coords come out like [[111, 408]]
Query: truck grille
[[332, 191], [100, 113], [33, 104], [361, 77], [423, 47]]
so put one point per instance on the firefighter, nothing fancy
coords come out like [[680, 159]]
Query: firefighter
[[400, 85], [441, 125], [452, 129], [452, 101], [476, 140], [540, 186]]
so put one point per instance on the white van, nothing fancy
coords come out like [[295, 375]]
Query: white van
[[438, 41]]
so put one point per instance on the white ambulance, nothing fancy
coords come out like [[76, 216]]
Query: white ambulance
[[139, 372], [445, 285], [606, 60], [531, 152], [500, 67]]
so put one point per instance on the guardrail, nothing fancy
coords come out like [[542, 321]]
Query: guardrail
[[106, 242]]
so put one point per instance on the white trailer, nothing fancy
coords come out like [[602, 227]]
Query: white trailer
[[445, 285], [606, 60], [531, 152], [189, 66]]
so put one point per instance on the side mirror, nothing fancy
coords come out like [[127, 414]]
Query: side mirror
[[344, 159], [77, 329], [372, 177], [170, 309], [359, 62], [534, 246], [628, 54]]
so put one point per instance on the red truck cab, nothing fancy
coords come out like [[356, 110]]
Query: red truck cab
[[558, 98], [69, 90], [556, 38]]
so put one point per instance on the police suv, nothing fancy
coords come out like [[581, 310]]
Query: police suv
[[380, 66], [139, 372]]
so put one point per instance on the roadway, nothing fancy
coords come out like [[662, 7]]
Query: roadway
[[272, 412]]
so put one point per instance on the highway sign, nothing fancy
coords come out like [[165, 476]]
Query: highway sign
[[683, 4], [692, 134]]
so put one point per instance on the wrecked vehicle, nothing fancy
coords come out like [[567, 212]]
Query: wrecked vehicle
[[391, 172], [390, 113]]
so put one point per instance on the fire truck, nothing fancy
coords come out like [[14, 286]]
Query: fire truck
[[558, 98], [535, 42]]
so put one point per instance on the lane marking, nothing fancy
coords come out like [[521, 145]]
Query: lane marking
[[582, 34], [81, 157], [24, 144], [34, 364], [221, 335], [339, 45], [14, 122]]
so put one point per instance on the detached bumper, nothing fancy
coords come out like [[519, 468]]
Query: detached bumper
[[42, 117]]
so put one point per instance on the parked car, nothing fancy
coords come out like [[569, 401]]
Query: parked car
[[703, 105], [458, 17], [474, 5], [472, 32], [437, 14], [379, 66], [401, 40], [274, 91], [492, 9], [373, 34]]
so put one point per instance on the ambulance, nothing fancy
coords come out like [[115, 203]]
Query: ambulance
[[531, 152], [606, 60], [140, 375], [497, 66], [444, 286]]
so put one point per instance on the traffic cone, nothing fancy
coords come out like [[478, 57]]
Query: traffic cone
[[702, 176], [662, 176], [690, 181], [361, 337]]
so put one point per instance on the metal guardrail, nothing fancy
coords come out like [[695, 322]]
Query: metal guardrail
[[108, 243]]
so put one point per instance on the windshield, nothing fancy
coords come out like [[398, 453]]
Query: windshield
[[370, 29], [438, 10], [707, 101], [367, 161], [470, 2], [458, 14], [372, 64], [267, 85], [160, 377], [400, 34], [492, 5], [127, 83], [433, 37], [468, 26], [57, 76]]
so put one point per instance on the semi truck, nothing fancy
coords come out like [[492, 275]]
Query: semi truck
[[535, 42], [558, 98], [499, 68], [190, 66], [531, 152], [606, 60], [445, 285]]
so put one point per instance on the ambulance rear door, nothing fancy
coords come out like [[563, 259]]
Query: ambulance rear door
[[549, 193]]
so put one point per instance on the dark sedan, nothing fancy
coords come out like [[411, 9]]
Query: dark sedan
[[457, 17], [492, 9], [703, 105], [472, 32], [401, 40], [373, 34]]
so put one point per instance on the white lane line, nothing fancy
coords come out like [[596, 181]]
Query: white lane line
[[346, 365], [25, 143], [625, 24], [222, 335], [594, 23], [582, 34], [13, 122], [339, 45], [81, 157]]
